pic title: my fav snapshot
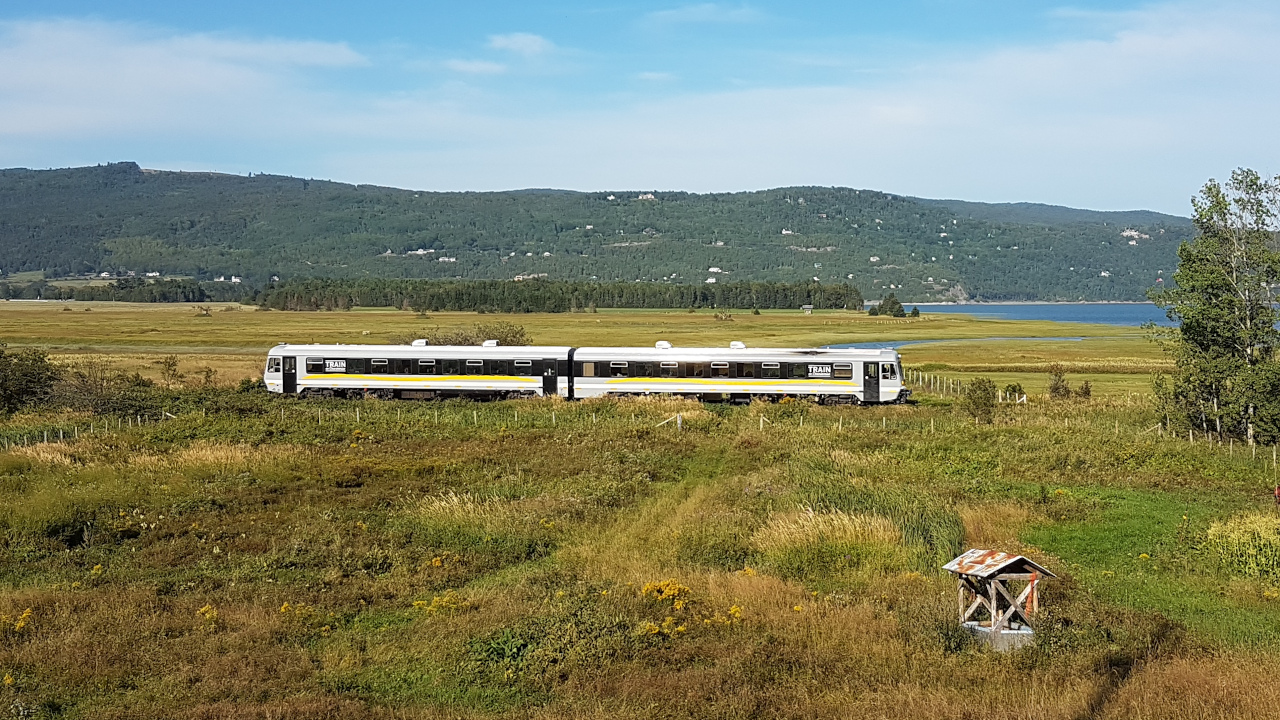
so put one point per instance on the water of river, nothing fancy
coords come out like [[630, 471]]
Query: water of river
[[1128, 314]]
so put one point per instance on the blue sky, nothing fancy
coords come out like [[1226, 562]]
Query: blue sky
[[1103, 105]]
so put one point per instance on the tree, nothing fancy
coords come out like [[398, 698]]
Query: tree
[[979, 399], [169, 374], [1059, 388], [892, 307], [26, 377], [1223, 301]]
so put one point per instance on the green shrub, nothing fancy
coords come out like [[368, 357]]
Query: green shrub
[[1248, 545], [26, 377], [95, 385], [1059, 388], [979, 399], [544, 650]]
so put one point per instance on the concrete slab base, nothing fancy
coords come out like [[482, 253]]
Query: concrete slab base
[[1004, 640]]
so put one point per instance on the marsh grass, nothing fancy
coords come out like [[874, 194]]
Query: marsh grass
[[488, 560]]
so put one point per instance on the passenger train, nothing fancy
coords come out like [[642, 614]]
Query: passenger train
[[491, 372]]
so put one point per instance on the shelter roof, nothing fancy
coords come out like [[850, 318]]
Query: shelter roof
[[989, 563]]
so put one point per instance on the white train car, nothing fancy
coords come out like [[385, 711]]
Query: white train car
[[490, 372], [739, 373], [419, 371]]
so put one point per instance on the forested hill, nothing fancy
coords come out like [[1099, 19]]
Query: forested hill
[[118, 218]]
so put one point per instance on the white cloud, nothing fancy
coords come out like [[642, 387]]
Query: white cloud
[[655, 76], [1137, 118], [70, 79], [526, 44], [705, 13], [476, 67]]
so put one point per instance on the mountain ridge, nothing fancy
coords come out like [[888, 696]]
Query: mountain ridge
[[119, 217]]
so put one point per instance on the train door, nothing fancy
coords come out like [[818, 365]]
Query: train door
[[870, 382], [549, 378], [290, 374]]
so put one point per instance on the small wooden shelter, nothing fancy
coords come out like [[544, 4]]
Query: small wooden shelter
[[988, 606]]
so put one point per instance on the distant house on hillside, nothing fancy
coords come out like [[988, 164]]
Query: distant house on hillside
[[646, 196]]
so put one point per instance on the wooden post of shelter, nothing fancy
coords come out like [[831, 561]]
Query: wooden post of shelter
[[988, 607]]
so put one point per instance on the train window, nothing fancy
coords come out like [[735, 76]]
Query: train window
[[888, 371], [842, 371], [426, 367], [799, 370], [475, 367], [315, 366], [499, 367], [617, 369], [696, 370], [588, 369], [746, 370], [770, 370], [719, 369], [669, 369], [379, 365], [641, 369], [524, 367], [273, 365], [355, 366], [402, 366], [450, 366]]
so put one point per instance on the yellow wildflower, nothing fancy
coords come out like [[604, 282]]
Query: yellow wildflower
[[798, 608], [665, 589], [97, 570], [8, 680], [285, 607]]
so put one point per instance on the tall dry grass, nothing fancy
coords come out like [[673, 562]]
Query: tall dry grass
[[805, 527]]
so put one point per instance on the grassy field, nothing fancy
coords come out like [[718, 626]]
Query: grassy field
[[258, 557], [234, 339]]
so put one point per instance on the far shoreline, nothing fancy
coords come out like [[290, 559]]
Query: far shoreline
[[1031, 302]]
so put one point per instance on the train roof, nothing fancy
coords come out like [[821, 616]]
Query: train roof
[[696, 354], [730, 353], [468, 351]]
